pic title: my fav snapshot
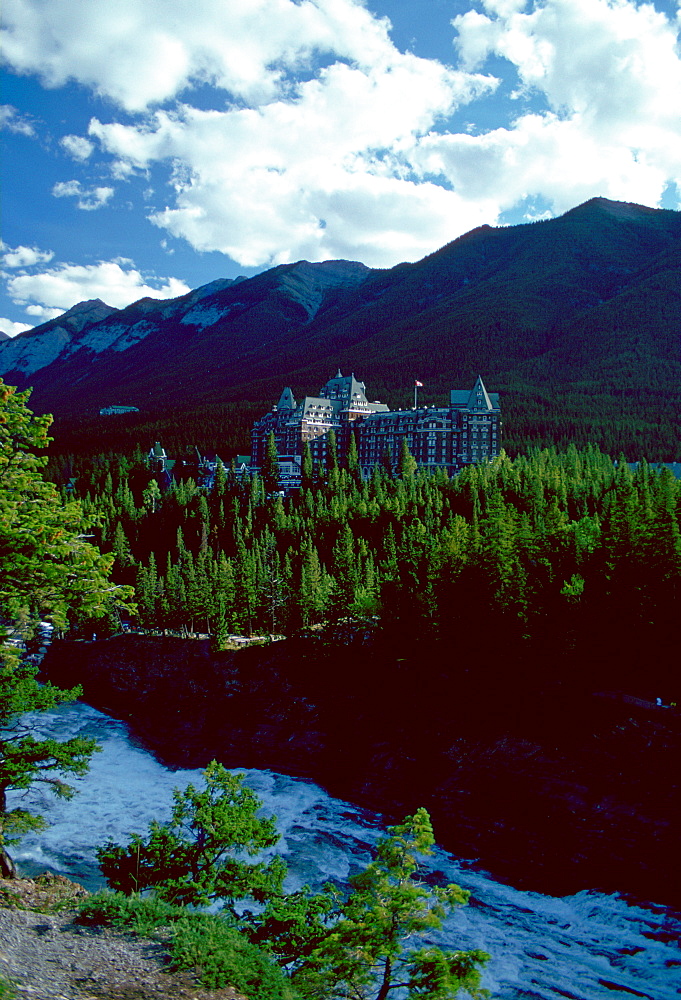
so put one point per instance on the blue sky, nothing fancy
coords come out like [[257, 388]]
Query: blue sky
[[151, 146]]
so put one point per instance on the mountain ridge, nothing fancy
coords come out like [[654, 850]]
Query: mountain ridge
[[588, 303]]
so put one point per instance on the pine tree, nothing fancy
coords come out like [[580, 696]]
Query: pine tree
[[306, 468], [331, 453], [352, 459], [47, 568], [270, 468], [200, 854], [365, 947], [407, 464], [121, 548]]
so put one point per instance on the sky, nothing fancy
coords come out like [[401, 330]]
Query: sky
[[152, 146]]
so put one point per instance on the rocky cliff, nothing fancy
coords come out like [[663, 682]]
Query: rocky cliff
[[550, 789]]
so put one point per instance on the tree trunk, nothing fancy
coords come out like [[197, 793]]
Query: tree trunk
[[387, 976]]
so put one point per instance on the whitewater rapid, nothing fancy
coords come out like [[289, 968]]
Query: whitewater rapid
[[582, 947]]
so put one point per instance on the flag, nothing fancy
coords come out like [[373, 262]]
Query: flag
[[419, 384]]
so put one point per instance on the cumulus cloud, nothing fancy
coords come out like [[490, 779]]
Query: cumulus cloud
[[610, 74], [317, 108], [49, 292], [13, 329], [141, 54], [281, 181], [87, 199], [12, 121], [324, 140], [77, 146], [24, 256]]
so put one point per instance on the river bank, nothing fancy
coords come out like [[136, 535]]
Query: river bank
[[48, 955], [550, 788]]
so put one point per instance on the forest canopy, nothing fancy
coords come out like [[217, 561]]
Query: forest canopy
[[548, 550]]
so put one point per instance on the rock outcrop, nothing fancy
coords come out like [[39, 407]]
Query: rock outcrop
[[551, 789]]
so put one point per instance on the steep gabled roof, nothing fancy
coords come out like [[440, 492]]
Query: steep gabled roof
[[286, 400], [479, 398], [476, 399], [344, 387]]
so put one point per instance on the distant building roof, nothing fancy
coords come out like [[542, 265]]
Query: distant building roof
[[476, 398], [117, 408], [286, 400]]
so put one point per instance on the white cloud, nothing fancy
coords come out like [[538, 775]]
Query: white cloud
[[140, 54], [268, 184], [48, 293], [316, 111], [11, 328], [324, 140], [77, 147], [88, 199], [43, 313], [13, 121], [24, 256], [610, 73]]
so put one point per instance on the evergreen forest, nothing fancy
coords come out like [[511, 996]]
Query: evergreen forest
[[558, 564]]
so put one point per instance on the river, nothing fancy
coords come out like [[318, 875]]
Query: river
[[586, 946]]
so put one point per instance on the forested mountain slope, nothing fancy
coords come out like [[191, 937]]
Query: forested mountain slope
[[575, 320]]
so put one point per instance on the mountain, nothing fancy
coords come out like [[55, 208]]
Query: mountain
[[186, 346], [36, 349], [575, 320]]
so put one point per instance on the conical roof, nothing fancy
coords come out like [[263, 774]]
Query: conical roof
[[479, 397], [286, 400]]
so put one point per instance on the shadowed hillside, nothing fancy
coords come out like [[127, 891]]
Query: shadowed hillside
[[576, 321]]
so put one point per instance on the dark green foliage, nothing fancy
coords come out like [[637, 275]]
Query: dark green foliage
[[365, 946], [8, 990], [225, 427], [222, 956], [198, 855], [47, 565], [332, 946], [225, 958], [542, 552], [48, 571], [270, 469], [407, 463], [136, 913]]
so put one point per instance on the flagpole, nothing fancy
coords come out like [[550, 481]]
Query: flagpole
[[416, 392]]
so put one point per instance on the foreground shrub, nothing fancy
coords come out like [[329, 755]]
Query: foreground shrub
[[201, 854], [223, 957], [141, 915], [7, 989], [201, 941]]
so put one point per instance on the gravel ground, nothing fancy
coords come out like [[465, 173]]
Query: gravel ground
[[48, 957]]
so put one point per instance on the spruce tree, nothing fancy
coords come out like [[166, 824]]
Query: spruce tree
[[270, 468], [47, 569]]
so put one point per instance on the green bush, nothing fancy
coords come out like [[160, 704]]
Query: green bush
[[114, 909], [7, 989], [223, 957], [204, 941]]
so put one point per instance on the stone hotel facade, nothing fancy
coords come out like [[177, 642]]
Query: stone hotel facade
[[466, 431]]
